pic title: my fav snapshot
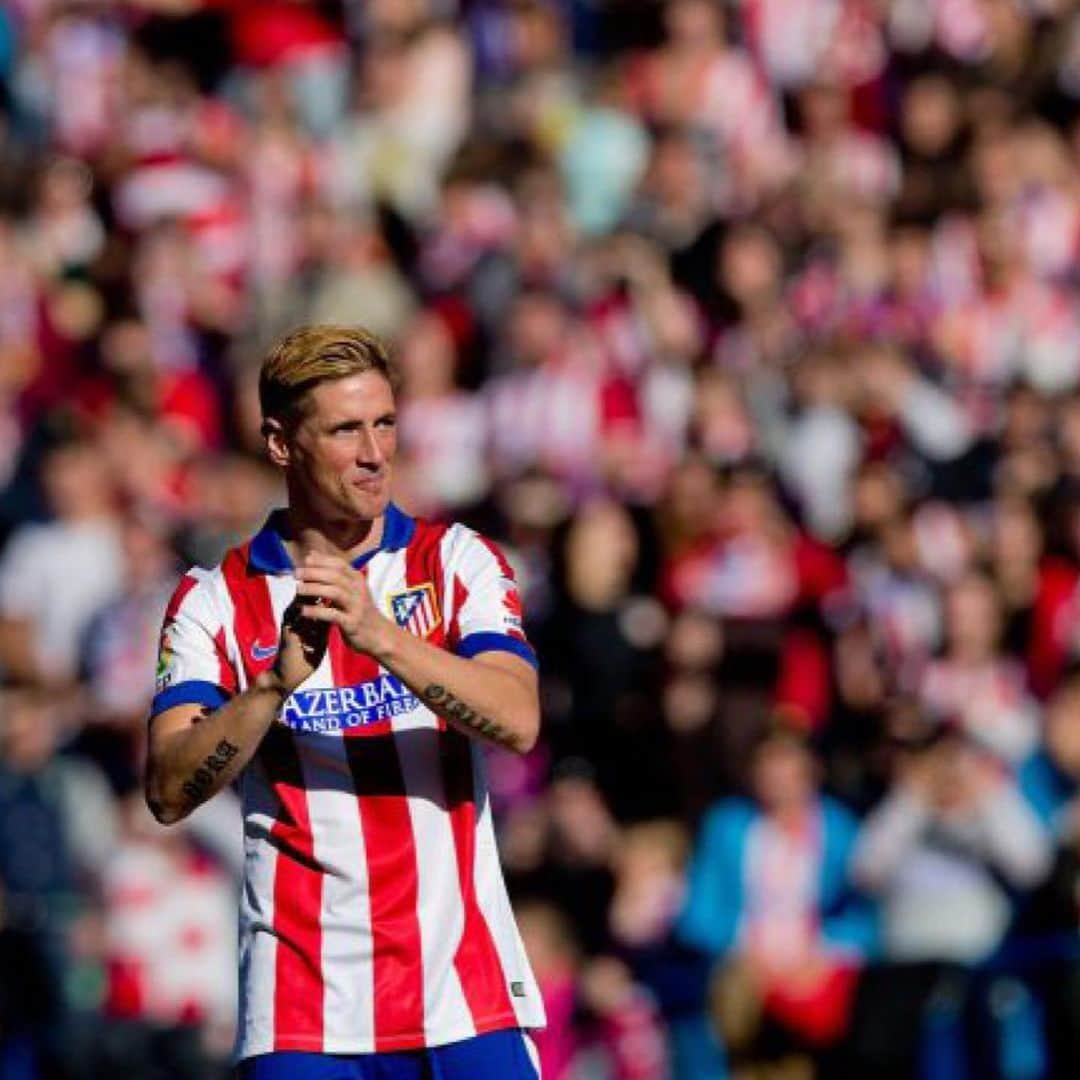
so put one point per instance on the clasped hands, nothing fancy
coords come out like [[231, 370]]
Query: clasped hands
[[329, 592]]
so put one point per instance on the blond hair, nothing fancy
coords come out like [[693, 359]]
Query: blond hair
[[310, 355]]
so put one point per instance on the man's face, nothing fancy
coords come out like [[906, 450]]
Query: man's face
[[76, 480], [340, 453], [783, 776], [1063, 729]]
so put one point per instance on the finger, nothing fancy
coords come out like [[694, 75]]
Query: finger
[[313, 590], [293, 620], [326, 574], [322, 613], [309, 634]]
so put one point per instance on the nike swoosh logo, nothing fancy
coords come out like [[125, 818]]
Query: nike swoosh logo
[[263, 652]]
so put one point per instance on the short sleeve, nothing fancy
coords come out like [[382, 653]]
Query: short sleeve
[[20, 575], [487, 613], [193, 667]]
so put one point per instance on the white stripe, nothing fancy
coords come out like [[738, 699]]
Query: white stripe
[[447, 551], [227, 613], [258, 945], [386, 576], [494, 904], [439, 906]]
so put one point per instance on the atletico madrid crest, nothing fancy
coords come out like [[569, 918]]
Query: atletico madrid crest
[[415, 609]]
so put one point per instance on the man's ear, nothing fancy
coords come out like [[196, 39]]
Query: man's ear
[[277, 445]]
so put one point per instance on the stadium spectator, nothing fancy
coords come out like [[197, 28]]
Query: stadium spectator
[[44, 612], [169, 924], [770, 898], [58, 828], [946, 852]]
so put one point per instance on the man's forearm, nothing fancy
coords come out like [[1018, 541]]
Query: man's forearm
[[18, 657], [477, 698], [888, 836], [192, 765]]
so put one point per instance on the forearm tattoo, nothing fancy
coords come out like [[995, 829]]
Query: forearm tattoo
[[202, 779], [454, 709]]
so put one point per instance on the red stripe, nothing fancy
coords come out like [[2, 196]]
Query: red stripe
[[393, 890], [423, 565], [390, 849], [298, 981], [461, 596], [298, 883], [253, 612], [187, 583], [476, 960], [226, 674], [350, 668]]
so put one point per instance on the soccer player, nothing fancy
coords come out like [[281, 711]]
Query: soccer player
[[344, 665]]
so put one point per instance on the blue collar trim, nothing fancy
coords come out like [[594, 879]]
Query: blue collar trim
[[268, 554]]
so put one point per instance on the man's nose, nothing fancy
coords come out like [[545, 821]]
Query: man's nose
[[368, 450]]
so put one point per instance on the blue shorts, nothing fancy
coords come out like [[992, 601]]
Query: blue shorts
[[500, 1055]]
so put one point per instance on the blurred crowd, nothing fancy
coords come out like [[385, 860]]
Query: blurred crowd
[[751, 328]]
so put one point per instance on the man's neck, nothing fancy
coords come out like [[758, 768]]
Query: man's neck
[[348, 537]]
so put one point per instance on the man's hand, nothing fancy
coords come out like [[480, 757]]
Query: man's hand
[[330, 590], [303, 643]]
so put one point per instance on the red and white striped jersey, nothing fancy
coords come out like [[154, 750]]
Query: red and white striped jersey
[[374, 915]]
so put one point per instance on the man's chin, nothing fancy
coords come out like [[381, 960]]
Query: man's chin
[[369, 504]]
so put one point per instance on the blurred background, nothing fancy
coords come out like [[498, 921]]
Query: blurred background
[[752, 330]]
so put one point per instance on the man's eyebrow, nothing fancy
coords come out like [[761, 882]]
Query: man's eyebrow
[[352, 421]]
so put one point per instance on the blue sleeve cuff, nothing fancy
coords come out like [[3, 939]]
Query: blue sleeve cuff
[[189, 693], [493, 642]]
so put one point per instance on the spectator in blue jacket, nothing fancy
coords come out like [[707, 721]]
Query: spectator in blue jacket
[[771, 900], [1050, 777]]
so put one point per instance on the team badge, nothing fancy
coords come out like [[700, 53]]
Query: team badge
[[415, 609]]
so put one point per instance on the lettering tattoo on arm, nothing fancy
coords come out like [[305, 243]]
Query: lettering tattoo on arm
[[455, 709], [202, 780]]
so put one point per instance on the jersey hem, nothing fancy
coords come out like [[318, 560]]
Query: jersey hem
[[414, 1041]]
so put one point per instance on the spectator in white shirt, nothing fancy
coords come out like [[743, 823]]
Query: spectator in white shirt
[[55, 576]]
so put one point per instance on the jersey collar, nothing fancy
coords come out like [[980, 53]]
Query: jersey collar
[[268, 554]]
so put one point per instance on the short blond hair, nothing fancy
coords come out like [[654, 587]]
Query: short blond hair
[[310, 355]]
